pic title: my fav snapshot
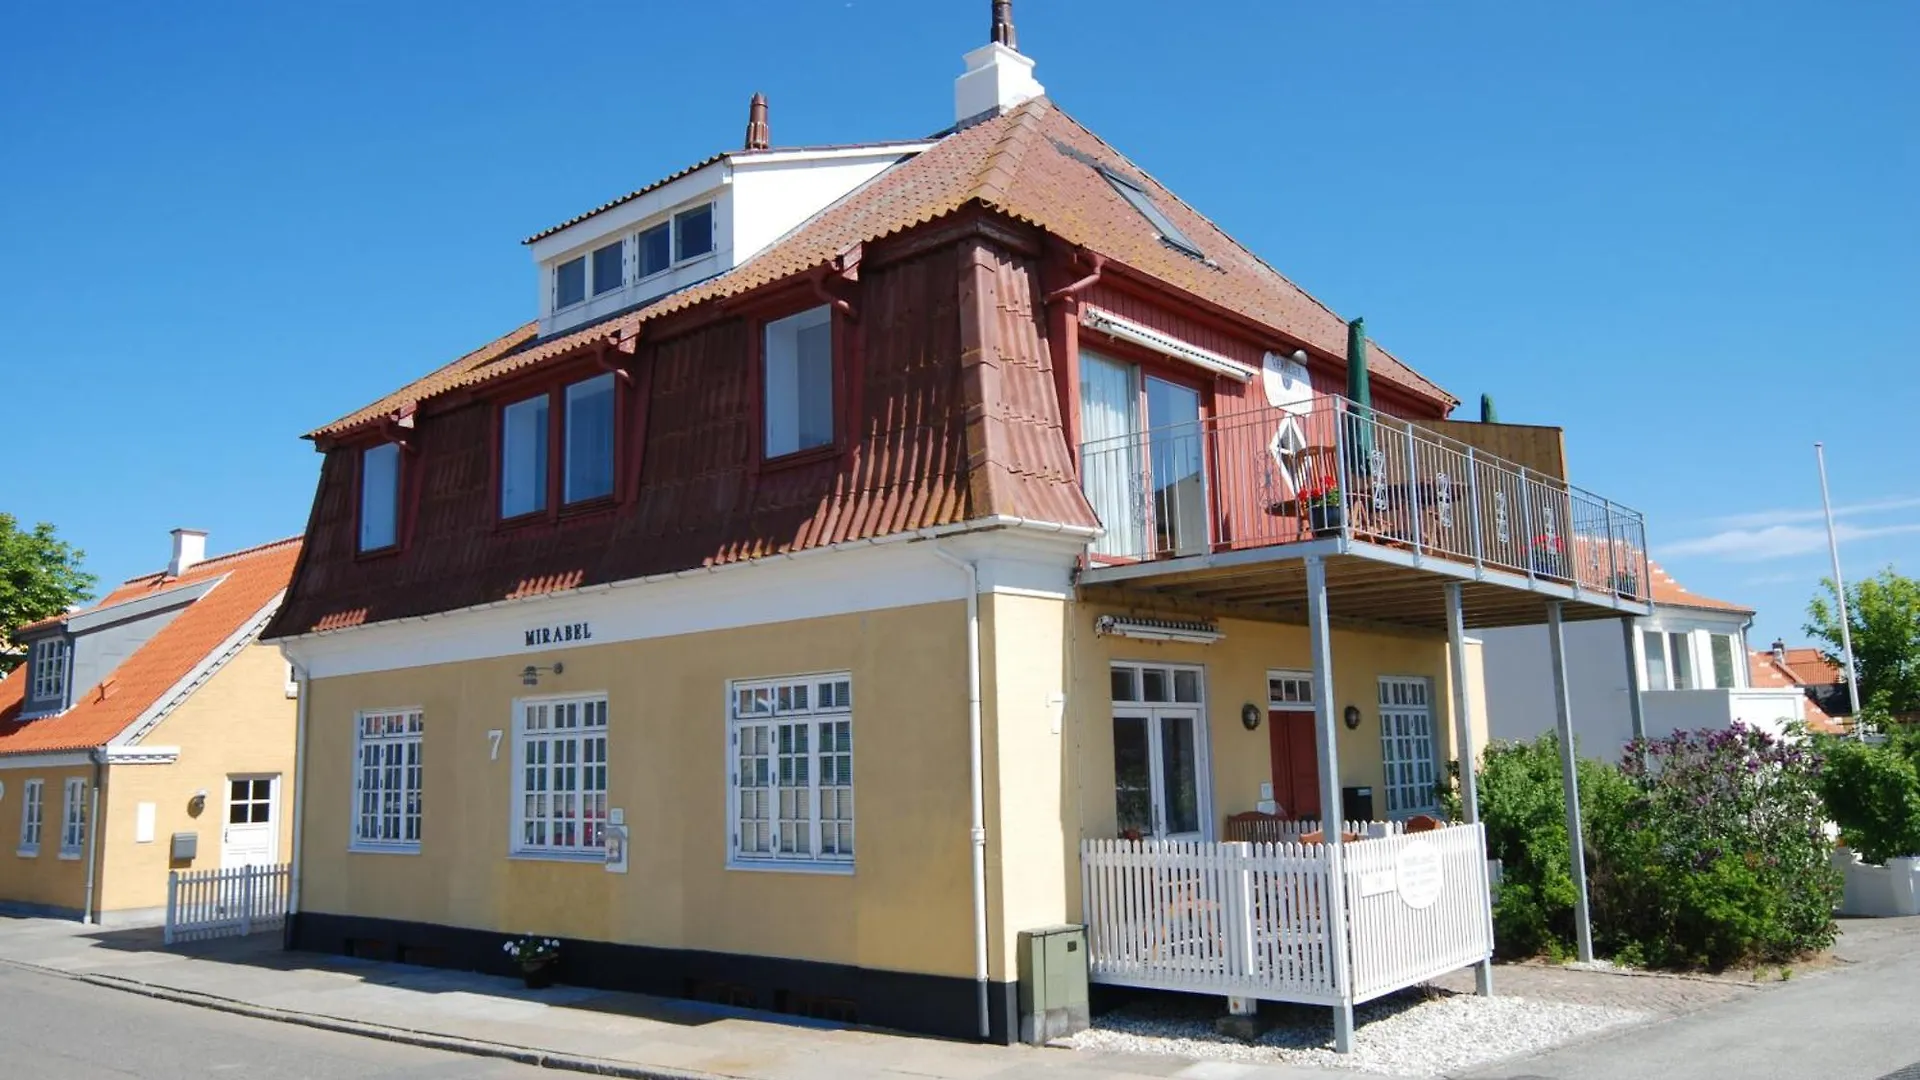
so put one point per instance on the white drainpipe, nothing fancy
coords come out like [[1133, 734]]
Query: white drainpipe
[[978, 833], [299, 780], [97, 755]]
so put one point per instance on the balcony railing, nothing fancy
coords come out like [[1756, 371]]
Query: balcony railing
[[1280, 477]]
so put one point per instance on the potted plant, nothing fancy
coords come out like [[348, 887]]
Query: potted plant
[[1626, 583], [537, 957], [1326, 512], [1549, 556]]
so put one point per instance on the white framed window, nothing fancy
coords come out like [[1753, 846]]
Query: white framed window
[[588, 455], [387, 780], [560, 782], [1406, 745], [609, 267], [693, 233], [1680, 658], [32, 803], [797, 357], [1653, 646], [655, 247], [49, 668], [379, 496], [1290, 690], [73, 818], [570, 282], [791, 771], [1720, 649], [523, 457]]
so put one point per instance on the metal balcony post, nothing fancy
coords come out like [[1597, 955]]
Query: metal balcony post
[[1526, 522], [1570, 781], [1464, 748], [1412, 501], [1473, 500], [1613, 558], [1343, 439], [1332, 820]]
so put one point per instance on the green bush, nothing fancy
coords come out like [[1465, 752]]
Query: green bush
[[1702, 850], [1873, 794]]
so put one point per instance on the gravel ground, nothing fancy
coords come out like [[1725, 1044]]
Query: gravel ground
[[1414, 1033]]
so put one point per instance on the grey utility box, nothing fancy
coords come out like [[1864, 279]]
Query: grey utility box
[[1053, 983], [186, 846]]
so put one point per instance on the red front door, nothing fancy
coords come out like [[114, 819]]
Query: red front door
[[1296, 766]]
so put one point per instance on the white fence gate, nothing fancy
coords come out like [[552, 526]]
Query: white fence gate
[[1248, 920], [226, 903]]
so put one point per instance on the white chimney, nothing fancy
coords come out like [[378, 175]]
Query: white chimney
[[997, 76], [189, 547]]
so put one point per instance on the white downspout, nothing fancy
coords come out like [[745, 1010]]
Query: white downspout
[[93, 834], [299, 782], [975, 754]]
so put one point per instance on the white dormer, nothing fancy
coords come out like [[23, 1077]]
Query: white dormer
[[697, 223]]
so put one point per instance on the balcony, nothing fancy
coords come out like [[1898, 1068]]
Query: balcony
[[1223, 512]]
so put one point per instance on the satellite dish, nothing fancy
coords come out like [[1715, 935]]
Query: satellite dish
[[1287, 384]]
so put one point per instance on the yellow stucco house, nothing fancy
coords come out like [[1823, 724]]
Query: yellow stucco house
[[857, 534], [147, 732]]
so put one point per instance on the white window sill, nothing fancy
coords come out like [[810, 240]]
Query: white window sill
[[789, 866], [27, 852], [383, 849], [69, 856], [590, 858]]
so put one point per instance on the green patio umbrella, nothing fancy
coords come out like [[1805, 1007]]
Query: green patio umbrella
[[1360, 442], [1487, 415]]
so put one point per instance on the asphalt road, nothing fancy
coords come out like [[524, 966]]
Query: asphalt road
[[58, 1028], [1852, 1022]]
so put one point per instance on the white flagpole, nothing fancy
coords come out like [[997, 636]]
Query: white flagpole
[[1840, 593]]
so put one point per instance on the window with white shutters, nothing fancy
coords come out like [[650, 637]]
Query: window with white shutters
[[387, 780], [791, 771], [1406, 746], [560, 747]]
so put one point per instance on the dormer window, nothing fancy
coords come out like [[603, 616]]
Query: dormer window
[[570, 283], [564, 437], [609, 267], [379, 497], [49, 670], [656, 249], [693, 232]]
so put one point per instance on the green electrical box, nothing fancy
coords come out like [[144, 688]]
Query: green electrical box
[[1053, 983]]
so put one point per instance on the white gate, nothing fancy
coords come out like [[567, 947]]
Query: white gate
[[226, 903]]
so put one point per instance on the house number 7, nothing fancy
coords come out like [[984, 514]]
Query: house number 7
[[493, 744]]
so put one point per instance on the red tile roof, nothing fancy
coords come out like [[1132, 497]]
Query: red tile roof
[[1810, 667], [1035, 164], [1671, 593], [251, 579], [1765, 671]]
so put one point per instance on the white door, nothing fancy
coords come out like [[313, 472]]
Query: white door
[[1160, 778], [251, 836]]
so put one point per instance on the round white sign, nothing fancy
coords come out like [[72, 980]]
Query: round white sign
[[1417, 875]]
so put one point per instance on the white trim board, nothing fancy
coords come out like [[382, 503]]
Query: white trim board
[[112, 755], [845, 579]]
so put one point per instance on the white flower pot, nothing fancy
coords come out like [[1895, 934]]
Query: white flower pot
[[1879, 892]]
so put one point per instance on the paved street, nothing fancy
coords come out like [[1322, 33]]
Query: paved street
[[1849, 1022], [55, 1027]]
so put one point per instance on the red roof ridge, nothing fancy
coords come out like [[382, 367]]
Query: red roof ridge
[[225, 556], [1665, 590]]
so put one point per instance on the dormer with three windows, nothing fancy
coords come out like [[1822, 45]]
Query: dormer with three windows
[[697, 223]]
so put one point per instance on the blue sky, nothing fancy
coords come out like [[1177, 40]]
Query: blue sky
[[1685, 231]]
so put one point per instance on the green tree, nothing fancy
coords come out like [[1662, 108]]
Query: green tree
[[40, 576], [1883, 612]]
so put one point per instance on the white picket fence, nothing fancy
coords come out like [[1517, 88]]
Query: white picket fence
[[1249, 920], [226, 903]]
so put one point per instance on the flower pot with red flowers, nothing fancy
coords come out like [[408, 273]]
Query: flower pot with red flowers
[[537, 957], [1549, 557], [1326, 513]]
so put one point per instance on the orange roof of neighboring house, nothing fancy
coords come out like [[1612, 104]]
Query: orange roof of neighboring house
[[1033, 163], [1766, 672], [1670, 593], [251, 579], [1810, 667]]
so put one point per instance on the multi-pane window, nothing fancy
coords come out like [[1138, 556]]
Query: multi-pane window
[[523, 457], [792, 769], [250, 800], [589, 451], [1290, 689], [379, 496], [1406, 745], [561, 747], [32, 801], [49, 668], [609, 271], [798, 361], [73, 817], [387, 781]]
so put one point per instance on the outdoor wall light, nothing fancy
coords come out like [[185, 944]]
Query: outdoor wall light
[[1352, 717], [530, 675], [1250, 715], [197, 802]]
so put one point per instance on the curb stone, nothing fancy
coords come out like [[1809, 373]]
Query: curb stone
[[545, 1059]]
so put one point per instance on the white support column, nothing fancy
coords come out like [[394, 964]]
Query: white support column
[[1463, 742], [1636, 708], [1331, 816], [1570, 780]]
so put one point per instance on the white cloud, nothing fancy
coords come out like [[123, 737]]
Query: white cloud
[[1777, 541], [1762, 519]]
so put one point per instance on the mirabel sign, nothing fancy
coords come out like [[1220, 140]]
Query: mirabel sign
[[562, 634]]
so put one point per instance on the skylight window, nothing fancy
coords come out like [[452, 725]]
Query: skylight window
[[1138, 198]]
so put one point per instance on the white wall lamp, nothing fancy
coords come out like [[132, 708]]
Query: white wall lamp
[[1190, 633]]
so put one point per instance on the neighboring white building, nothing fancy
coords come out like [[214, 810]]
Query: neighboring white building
[[1690, 657]]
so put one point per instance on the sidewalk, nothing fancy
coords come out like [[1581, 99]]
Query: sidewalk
[[593, 1031]]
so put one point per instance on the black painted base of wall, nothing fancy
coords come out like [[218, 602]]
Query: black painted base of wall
[[924, 1004]]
